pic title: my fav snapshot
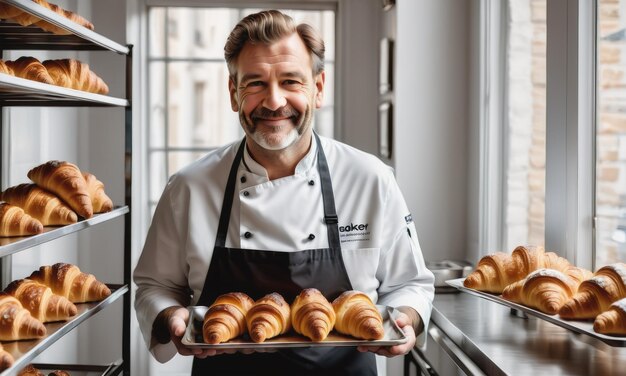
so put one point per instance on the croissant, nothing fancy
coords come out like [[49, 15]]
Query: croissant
[[74, 74], [357, 316], [4, 68], [66, 181], [25, 18], [545, 289], [77, 19], [612, 321], [68, 281], [30, 370], [269, 317], [496, 271], [16, 322], [225, 318], [312, 315], [99, 199], [31, 69], [39, 300], [40, 204], [15, 222], [59, 373], [596, 294], [6, 359], [8, 12]]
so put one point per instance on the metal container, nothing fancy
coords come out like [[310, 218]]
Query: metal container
[[448, 269]]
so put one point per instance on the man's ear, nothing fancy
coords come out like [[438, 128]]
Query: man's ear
[[320, 80], [232, 90]]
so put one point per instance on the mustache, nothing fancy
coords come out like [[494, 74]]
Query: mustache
[[264, 113]]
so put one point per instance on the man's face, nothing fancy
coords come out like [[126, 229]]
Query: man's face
[[276, 93]]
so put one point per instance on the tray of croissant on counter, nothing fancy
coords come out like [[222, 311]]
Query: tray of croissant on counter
[[545, 285], [236, 321]]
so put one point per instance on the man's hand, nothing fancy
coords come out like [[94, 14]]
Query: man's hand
[[407, 322], [171, 324]]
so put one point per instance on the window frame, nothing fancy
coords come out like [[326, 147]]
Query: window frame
[[570, 128]]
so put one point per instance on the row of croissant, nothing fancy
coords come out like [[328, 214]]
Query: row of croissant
[[9, 12], [69, 73], [60, 193], [549, 283], [236, 314], [49, 294], [31, 370]]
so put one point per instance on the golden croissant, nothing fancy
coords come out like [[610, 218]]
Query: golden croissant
[[6, 359], [40, 204], [226, 317], [77, 19], [31, 69], [4, 68], [30, 370], [15, 222], [612, 321], [16, 322], [496, 271], [66, 181], [68, 281], [99, 200], [546, 289], [596, 294], [269, 317], [39, 300], [75, 74], [357, 316], [312, 315]]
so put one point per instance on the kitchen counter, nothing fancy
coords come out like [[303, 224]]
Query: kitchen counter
[[498, 341]]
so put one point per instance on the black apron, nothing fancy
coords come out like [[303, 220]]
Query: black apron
[[259, 272]]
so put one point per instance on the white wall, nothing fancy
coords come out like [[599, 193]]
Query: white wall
[[432, 120]]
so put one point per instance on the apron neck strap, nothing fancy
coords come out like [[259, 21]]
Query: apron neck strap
[[328, 197], [227, 203], [330, 212]]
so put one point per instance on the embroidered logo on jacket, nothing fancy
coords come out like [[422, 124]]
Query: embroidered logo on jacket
[[354, 232]]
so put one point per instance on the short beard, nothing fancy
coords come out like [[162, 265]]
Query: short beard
[[269, 140]]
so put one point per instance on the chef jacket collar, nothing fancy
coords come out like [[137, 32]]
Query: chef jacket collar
[[305, 165]]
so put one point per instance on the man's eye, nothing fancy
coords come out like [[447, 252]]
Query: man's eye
[[255, 83], [291, 82]]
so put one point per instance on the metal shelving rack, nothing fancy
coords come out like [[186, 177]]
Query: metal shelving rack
[[16, 91]]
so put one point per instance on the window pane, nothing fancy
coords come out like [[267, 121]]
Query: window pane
[[526, 123], [200, 112], [157, 107], [610, 197]]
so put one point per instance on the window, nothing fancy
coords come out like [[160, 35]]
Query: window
[[525, 124], [610, 164], [189, 109]]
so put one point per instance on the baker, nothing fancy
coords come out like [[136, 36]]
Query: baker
[[262, 215]]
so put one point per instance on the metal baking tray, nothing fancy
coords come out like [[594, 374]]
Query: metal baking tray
[[81, 369], [193, 335], [578, 326]]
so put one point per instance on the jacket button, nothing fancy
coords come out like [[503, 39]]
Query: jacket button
[[311, 236], [243, 179], [311, 182], [247, 234], [246, 193]]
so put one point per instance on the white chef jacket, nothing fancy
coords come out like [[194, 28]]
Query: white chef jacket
[[379, 242]]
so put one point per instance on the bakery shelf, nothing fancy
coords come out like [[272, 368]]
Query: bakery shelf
[[9, 246], [25, 351], [82, 369], [16, 91], [17, 37]]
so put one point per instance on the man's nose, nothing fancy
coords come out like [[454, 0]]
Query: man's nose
[[275, 98]]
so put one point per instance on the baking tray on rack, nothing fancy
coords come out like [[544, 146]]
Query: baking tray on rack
[[578, 326], [193, 335], [81, 369]]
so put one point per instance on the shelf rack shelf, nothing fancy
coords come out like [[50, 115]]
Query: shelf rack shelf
[[16, 92]]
